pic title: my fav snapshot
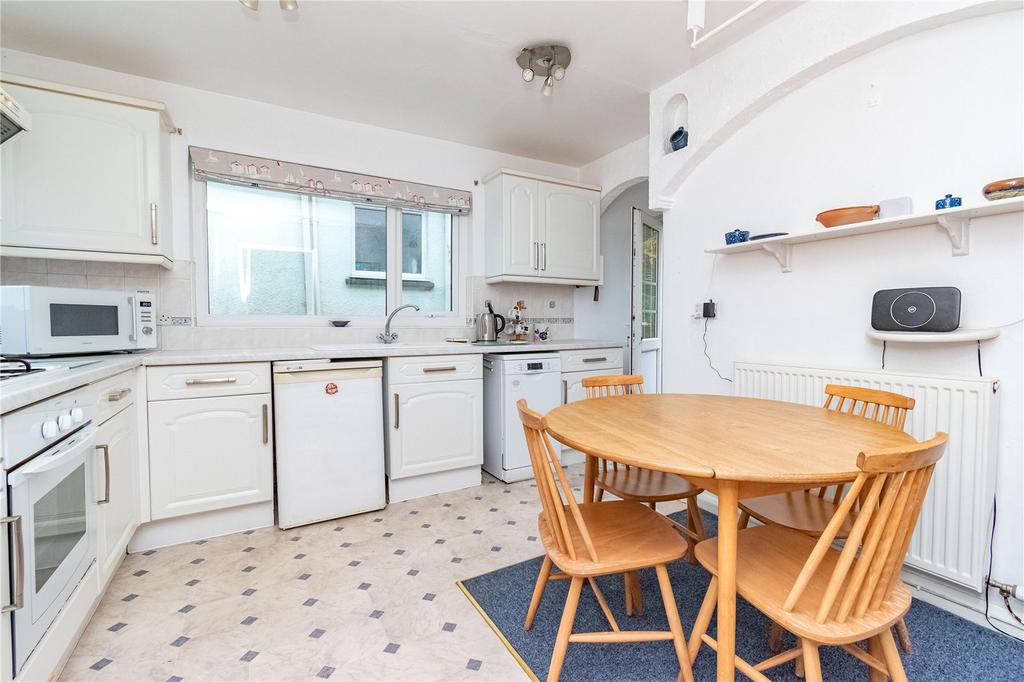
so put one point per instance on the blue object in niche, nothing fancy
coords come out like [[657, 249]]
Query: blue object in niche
[[949, 201], [737, 236], [679, 139]]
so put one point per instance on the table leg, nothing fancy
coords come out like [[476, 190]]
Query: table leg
[[728, 500], [589, 474]]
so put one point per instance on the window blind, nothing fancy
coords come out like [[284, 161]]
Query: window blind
[[285, 176]]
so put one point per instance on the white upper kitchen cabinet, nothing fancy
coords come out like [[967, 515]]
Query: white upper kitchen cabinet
[[541, 229], [90, 176]]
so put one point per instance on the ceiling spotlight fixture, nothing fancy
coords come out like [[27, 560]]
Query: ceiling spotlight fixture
[[254, 5], [547, 61], [289, 5]]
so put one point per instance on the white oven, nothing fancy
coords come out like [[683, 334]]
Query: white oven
[[52, 526], [37, 320]]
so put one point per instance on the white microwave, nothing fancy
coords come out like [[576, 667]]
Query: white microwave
[[38, 320]]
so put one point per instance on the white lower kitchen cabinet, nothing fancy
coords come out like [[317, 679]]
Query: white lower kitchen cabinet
[[209, 453], [435, 425], [117, 477], [604, 361]]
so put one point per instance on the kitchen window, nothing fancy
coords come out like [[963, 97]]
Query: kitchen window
[[279, 257]]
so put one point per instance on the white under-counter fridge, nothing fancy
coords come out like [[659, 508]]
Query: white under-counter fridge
[[329, 433]]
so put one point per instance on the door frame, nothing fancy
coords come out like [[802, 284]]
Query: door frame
[[640, 217]]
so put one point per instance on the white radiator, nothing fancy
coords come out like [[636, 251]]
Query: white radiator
[[951, 540]]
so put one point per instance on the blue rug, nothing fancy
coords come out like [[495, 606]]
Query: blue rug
[[946, 647]]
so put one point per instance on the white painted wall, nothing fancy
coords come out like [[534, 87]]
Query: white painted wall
[[935, 112], [609, 318], [618, 170], [219, 121]]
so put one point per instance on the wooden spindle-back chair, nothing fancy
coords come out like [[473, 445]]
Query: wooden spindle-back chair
[[828, 596], [810, 511], [589, 540]]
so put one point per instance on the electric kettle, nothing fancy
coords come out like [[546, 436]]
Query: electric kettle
[[489, 325]]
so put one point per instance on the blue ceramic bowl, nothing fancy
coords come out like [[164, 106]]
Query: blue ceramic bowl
[[679, 139], [737, 236]]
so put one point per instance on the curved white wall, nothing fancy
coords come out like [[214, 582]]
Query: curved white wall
[[936, 112]]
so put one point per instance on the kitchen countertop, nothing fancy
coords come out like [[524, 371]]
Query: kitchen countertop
[[17, 393]]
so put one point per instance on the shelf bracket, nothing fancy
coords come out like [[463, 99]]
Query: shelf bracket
[[958, 229], [782, 252]]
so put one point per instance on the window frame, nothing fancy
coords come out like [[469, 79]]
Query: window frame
[[392, 297]]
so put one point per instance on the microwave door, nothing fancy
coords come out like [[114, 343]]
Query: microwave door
[[66, 325]]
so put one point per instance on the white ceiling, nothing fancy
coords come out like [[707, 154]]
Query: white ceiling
[[443, 69]]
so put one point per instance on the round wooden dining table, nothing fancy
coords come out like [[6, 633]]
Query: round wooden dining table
[[733, 447]]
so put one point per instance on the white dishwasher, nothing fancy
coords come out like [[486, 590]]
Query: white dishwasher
[[329, 437], [535, 377]]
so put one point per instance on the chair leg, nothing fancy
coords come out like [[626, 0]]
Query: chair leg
[[629, 594], [798, 668], [876, 649], [695, 523], [744, 520], [812, 664], [604, 604], [700, 626], [599, 495], [892, 657], [653, 505], [538, 591], [775, 637], [904, 636], [634, 596], [672, 613], [565, 629]]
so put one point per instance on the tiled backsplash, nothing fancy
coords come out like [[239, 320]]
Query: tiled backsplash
[[547, 305]]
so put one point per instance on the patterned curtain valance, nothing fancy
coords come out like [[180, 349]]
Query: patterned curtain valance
[[252, 171]]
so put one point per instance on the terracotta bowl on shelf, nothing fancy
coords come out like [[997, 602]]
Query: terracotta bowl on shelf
[[845, 216], [1003, 189]]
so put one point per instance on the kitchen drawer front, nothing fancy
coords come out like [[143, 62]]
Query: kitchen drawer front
[[587, 360], [113, 394], [422, 368], [207, 381]]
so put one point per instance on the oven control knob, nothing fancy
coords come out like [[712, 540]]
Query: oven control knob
[[64, 422], [147, 330], [77, 415], [49, 428]]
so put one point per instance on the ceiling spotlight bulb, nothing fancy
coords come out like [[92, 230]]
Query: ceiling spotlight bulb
[[288, 5], [548, 87], [528, 74], [558, 72], [254, 5]]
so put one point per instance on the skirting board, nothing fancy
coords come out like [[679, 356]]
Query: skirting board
[[401, 489], [205, 525]]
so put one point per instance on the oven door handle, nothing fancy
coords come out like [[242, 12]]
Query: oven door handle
[[45, 463], [19, 550]]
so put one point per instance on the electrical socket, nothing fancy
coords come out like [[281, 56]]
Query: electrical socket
[[164, 319], [698, 311], [552, 304]]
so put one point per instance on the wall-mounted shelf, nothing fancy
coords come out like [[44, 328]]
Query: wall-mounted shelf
[[957, 336], [955, 222]]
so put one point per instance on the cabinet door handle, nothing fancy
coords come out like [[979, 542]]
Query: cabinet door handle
[[544, 256], [153, 235], [396, 410], [114, 397], [535, 263], [192, 381], [439, 369], [106, 474], [19, 551], [595, 359], [266, 423], [565, 392]]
